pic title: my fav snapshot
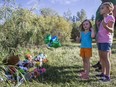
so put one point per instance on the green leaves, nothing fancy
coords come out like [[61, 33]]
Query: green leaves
[[25, 28]]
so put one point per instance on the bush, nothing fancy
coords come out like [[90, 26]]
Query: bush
[[75, 31], [25, 28]]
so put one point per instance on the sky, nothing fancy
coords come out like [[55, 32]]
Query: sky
[[61, 6]]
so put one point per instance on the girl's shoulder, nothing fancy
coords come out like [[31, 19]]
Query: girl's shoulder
[[110, 18]]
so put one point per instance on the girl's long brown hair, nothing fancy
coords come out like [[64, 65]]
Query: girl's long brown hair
[[81, 26], [110, 6]]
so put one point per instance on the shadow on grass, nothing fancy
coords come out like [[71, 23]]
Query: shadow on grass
[[63, 74], [114, 48], [71, 46]]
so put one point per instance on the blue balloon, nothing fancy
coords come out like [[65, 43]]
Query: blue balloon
[[54, 38]]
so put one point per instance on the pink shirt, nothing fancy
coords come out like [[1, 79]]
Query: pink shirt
[[103, 35]]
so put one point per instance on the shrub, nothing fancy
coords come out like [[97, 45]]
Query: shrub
[[25, 28]]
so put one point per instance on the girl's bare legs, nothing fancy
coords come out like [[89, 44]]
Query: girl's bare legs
[[102, 62], [86, 65], [104, 59], [107, 62]]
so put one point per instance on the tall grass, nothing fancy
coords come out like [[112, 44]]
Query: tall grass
[[65, 65]]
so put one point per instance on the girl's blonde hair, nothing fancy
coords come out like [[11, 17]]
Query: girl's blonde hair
[[110, 6], [81, 26]]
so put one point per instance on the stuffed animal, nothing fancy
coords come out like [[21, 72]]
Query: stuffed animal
[[40, 59], [11, 60]]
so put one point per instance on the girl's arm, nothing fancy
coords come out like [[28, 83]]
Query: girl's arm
[[109, 26], [92, 33], [78, 39]]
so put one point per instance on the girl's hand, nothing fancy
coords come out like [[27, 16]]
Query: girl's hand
[[78, 39], [92, 33], [91, 29]]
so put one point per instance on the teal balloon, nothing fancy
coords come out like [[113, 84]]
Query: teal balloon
[[56, 44], [48, 39]]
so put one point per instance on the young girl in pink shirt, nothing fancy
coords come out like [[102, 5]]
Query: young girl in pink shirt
[[105, 38]]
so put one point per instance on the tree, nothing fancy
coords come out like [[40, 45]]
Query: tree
[[92, 18], [17, 30], [24, 28], [7, 9], [74, 19], [48, 12], [67, 15], [81, 15]]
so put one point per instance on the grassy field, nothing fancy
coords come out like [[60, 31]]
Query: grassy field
[[65, 65]]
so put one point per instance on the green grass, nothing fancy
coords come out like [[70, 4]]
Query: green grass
[[65, 65]]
